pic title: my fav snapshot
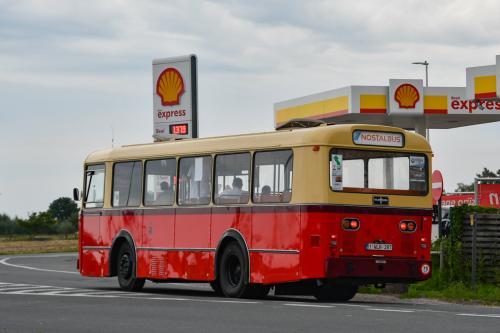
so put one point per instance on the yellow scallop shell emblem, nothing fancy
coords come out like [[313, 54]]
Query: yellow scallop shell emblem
[[407, 96], [170, 87]]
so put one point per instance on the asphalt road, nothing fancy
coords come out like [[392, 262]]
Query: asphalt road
[[44, 293]]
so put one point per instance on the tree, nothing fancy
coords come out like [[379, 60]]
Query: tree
[[486, 173], [461, 187], [7, 225], [66, 228], [63, 209], [38, 223]]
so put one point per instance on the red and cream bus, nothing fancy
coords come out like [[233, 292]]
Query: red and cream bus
[[315, 211]]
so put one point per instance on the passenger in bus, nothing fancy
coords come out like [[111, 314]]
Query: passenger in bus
[[266, 190], [234, 194], [265, 194], [165, 197], [236, 190]]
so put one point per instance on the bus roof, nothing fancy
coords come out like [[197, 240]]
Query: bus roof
[[325, 135]]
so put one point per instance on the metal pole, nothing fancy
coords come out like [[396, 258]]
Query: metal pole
[[427, 134], [424, 131], [474, 268], [440, 232], [426, 74], [475, 192]]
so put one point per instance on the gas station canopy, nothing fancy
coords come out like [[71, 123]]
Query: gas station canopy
[[404, 103]]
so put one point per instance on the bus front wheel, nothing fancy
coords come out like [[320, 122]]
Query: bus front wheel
[[126, 269], [335, 293]]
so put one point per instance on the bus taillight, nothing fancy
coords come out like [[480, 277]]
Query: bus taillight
[[333, 244], [423, 243], [407, 226], [333, 241], [350, 224]]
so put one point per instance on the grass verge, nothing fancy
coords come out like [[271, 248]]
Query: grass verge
[[455, 291], [38, 244]]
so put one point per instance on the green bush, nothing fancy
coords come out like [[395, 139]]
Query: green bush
[[457, 268]]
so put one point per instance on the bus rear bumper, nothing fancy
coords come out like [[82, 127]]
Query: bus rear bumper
[[379, 269]]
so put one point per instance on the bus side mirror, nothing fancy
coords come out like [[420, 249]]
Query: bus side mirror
[[76, 194]]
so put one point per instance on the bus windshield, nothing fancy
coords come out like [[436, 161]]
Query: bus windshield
[[382, 172]]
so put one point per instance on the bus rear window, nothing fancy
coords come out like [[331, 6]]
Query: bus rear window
[[378, 172]]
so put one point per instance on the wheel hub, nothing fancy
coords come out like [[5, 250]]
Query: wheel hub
[[125, 266], [234, 271]]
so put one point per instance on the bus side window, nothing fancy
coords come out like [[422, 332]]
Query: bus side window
[[94, 186], [160, 182], [272, 176], [232, 178], [127, 183], [195, 180]]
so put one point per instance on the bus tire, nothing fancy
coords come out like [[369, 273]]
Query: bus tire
[[125, 269], [216, 287], [256, 291], [335, 293], [233, 271]]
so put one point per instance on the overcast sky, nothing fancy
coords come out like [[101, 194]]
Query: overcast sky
[[73, 72]]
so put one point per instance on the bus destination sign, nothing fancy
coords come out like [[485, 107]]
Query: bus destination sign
[[374, 138]]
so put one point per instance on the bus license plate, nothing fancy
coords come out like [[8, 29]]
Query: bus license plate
[[379, 247]]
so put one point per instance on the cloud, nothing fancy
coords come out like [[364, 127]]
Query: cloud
[[70, 70]]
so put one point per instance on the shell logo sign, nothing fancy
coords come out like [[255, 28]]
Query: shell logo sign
[[175, 98], [170, 87], [407, 96]]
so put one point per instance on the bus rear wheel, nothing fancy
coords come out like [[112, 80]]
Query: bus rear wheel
[[126, 269], [216, 287], [233, 271], [335, 292], [256, 291]]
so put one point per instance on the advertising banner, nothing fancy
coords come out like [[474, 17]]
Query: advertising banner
[[488, 196]]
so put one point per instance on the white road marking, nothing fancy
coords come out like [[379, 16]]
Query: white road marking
[[33, 291], [309, 305], [4, 262], [224, 301], [25, 287], [42, 290], [390, 310], [14, 285], [351, 305], [48, 255], [479, 315]]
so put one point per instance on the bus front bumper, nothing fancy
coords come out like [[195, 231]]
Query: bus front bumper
[[379, 269]]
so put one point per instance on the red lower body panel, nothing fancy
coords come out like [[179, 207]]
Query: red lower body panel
[[378, 269]]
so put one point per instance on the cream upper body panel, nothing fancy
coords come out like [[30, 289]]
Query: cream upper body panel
[[333, 135], [311, 183]]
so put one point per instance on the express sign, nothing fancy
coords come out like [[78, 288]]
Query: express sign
[[458, 104], [373, 138]]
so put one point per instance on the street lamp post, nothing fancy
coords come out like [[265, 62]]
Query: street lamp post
[[426, 64]]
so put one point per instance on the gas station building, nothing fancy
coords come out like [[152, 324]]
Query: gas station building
[[404, 103]]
